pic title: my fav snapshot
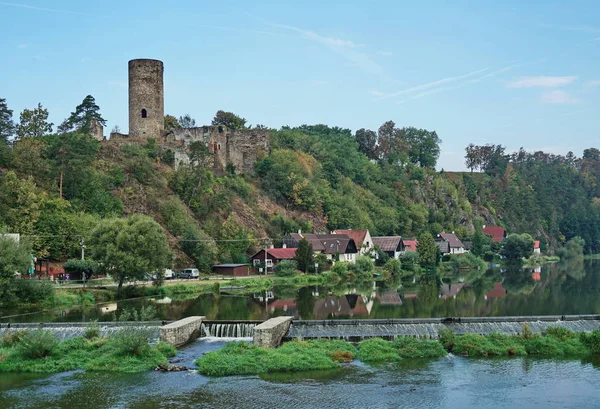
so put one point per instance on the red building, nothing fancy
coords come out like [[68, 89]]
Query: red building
[[271, 257], [231, 269]]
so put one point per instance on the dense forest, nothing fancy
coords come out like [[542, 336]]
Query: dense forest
[[56, 187]]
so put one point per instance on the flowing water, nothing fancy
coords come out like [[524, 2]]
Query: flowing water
[[451, 382]]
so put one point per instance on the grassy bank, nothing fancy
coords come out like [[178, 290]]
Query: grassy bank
[[240, 358], [40, 351]]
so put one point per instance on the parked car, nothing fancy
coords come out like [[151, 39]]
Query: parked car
[[189, 273], [169, 274]]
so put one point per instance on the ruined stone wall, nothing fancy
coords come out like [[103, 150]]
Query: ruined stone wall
[[96, 130], [146, 99], [241, 148]]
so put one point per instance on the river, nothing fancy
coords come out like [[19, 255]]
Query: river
[[450, 382], [555, 289]]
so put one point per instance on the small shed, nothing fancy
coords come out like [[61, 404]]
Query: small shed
[[231, 269]]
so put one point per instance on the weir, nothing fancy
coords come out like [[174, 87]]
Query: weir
[[229, 329], [65, 330], [356, 330]]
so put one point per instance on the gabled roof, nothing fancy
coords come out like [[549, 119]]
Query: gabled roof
[[497, 292], [410, 245], [357, 235], [337, 242], [496, 232], [279, 254], [311, 238], [388, 243], [452, 240]]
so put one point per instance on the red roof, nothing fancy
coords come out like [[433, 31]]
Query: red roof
[[497, 292], [496, 232], [536, 244], [357, 235], [410, 245], [282, 254]]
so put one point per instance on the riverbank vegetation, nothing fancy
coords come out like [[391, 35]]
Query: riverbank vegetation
[[241, 358], [128, 350]]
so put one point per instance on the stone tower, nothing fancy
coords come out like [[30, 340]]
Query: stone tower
[[146, 98]]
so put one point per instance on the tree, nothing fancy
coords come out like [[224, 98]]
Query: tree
[[81, 119], [517, 246], [33, 123], [15, 258], [423, 146], [286, 268], [129, 248], [186, 121], [392, 146], [229, 119], [427, 250], [7, 126], [367, 143], [304, 255], [81, 268], [171, 123], [481, 242], [72, 154], [393, 267]]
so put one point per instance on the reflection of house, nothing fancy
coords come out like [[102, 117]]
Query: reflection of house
[[362, 239], [498, 233], [288, 306], [327, 244], [450, 290], [390, 298], [536, 247], [409, 245], [537, 273], [271, 257], [346, 305], [448, 243], [390, 245], [497, 292]]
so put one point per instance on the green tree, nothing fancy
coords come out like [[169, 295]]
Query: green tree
[[393, 267], [33, 123], [81, 119], [286, 268], [424, 146], [229, 119], [7, 126], [186, 121], [481, 242], [392, 145], [427, 251], [15, 258], [84, 268], [304, 255], [129, 248], [72, 154], [171, 123], [20, 203], [367, 143], [517, 246]]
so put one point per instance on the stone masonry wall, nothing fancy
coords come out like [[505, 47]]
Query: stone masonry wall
[[146, 94], [181, 332], [270, 333]]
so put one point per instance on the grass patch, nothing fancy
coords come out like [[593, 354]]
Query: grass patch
[[39, 351], [242, 358], [379, 350]]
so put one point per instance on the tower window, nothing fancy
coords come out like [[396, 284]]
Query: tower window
[[144, 113]]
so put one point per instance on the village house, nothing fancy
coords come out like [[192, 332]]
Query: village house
[[390, 245], [536, 247], [327, 244], [264, 261], [498, 233], [409, 245], [362, 239], [448, 243]]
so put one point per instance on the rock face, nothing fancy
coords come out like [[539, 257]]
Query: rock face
[[270, 333], [181, 332]]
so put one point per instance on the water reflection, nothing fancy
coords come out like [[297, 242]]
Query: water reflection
[[565, 288]]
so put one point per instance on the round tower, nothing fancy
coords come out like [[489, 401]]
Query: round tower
[[146, 98]]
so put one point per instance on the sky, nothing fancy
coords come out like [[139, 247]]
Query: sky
[[520, 74]]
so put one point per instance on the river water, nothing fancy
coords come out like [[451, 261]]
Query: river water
[[451, 382], [557, 289]]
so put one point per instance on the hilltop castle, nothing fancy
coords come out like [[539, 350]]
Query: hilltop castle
[[240, 148]]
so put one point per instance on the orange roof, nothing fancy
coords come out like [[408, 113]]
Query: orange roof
[[410, 245], [536, 244], [496, 232], [357, 235]]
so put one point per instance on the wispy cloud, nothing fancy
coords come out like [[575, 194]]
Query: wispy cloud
[[50, 10], [376, 93], [385, 53], [447, 80], [558, 97], [542, 81]]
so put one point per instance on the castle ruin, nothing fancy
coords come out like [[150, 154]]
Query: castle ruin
[[238, 148]]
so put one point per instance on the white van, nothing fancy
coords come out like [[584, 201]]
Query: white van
[[169, 274], [190, 273]]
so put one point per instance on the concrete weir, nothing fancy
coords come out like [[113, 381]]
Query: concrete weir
[[181, 332], [271, 332]]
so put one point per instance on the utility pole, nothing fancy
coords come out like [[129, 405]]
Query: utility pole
[[82, 244]]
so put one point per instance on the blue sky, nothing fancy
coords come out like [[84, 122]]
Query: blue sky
[[514, 73]]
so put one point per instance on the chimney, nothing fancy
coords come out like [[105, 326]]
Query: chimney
[[284, 246]]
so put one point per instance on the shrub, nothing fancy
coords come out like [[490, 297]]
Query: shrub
[[592, 341], [92, 330], [131, 341], [559, 332], [38, 343], [377, 350], [526, 332], [33, 291], [447, 338], [12, 338], [286, 268], [409, 347]]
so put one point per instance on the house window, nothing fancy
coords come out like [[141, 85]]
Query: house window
[[269, 262], [256, 262], [144, 113]]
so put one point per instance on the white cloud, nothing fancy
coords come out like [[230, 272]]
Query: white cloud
[[542, 81], [385, 53], [376, 93], [558, 97]]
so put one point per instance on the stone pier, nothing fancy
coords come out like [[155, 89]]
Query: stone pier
[[271, 332], [181, 332]]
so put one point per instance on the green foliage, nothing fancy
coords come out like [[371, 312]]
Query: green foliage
[[592, 341], [81, 119], [467, 261], [517, 246], [130, 340], [33, 123], [171, 123], [393, 268], [286, 268], [7, 126], [377, 350], [36, 344], [427, 251], [92, 330], [475, 345], [409, 347], [12, 338], [229, 119], [304, 256], [82, 268], [572, 249]]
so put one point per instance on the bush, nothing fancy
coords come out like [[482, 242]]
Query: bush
[[92, 330], [131, 340], [286, 268], [38, 343], [12, 338], [377, 350], [592, 341], [447, 338], [33, 291], [409, 347]]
